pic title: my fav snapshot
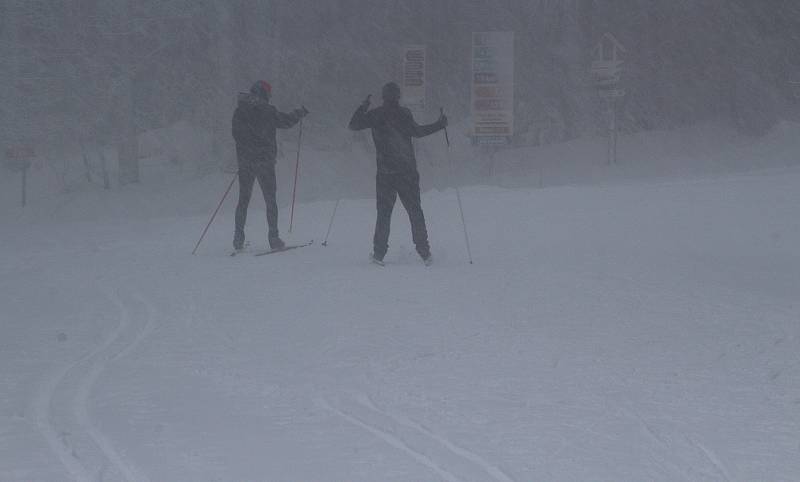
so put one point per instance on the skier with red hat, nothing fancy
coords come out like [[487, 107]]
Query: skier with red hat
[[255, 123]]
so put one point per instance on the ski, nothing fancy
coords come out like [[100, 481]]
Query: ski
[[285, 248]]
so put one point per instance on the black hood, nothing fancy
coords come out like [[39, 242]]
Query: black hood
[[247, 99]]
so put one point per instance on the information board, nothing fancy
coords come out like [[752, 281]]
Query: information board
[[492, 87], [414, 77]]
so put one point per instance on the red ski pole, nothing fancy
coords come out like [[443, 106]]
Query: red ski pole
[[215, 213], [296, 172]]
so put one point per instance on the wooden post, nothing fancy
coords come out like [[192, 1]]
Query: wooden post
[[614, 130], [24, 186], [610, 147]]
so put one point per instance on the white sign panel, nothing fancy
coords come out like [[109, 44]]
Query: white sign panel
[[492, 87], [611, 93], [414, 60], [606, 63]]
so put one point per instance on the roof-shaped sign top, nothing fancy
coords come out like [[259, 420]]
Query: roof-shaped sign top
[[608, 49]]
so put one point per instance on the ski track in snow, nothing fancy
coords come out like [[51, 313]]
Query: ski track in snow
[[393, 437], [661, 453], [490, 469], [88, 369], [673, 462], [394, 441], [712, 457]]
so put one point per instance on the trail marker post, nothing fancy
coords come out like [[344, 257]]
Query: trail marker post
[[19, 159], [606, 70]]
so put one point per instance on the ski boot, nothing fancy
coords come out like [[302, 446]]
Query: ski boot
[[276, 243], [376, 260]]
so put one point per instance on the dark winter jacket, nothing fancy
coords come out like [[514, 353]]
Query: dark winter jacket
[[393, 127], [254, 124]]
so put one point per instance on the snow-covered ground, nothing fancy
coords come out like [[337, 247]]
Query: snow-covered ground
[[628, 331]]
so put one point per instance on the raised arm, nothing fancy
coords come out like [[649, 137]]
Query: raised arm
[[362, 117]]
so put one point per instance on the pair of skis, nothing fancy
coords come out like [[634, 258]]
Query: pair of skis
[[372, 259], [265, 252]]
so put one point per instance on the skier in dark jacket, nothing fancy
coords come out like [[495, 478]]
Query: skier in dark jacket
[[254, 126], [393, 127]]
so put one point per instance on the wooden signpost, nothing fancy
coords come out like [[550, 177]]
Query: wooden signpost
[[19, 159]]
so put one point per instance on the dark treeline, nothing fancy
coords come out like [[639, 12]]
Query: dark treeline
[[103, 71]]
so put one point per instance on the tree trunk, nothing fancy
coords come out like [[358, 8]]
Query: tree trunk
[[225, 91], [10, 63], [128, 143]]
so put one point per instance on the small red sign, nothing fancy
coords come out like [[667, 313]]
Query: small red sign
[[19, 153]]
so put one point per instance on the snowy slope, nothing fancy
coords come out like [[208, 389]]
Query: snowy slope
[[642, 331], [629, 332]]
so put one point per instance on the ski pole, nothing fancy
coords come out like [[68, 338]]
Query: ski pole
[[446, 137], [215, 213], [330, 226], [458, 194], [464, 224], [296, 172]]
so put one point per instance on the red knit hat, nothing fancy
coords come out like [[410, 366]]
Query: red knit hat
[[262, 88]]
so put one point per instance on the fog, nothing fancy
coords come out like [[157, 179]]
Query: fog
[[84, 76], [500, 240]]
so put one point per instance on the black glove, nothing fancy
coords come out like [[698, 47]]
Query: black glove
[[301, 112], [365, 104], [443, 120]]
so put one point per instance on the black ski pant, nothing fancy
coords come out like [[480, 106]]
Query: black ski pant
[[388, 187], [249, 172]]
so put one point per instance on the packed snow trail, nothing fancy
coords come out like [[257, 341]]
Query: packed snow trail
[[81, 377], [637, 332]]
